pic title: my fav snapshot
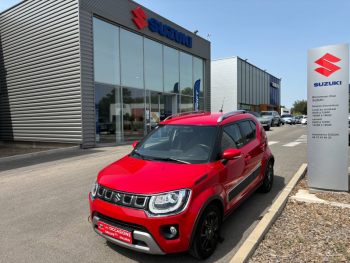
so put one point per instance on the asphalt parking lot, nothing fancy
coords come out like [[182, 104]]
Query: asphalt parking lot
[[44, 205]]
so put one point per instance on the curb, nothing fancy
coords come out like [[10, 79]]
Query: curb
[[254, 239], [23, 156]]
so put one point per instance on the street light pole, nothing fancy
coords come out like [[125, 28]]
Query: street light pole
[[208, 36]]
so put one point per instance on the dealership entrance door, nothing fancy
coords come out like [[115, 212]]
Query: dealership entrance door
[[162, 106]]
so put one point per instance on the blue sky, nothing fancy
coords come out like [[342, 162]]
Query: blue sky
[[272, 34]]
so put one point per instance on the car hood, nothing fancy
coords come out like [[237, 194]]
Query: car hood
[[261, 119], [267, 117], [287, 118], [149, 177]]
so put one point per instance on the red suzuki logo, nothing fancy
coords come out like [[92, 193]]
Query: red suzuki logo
[[328, 68], [139, 20]]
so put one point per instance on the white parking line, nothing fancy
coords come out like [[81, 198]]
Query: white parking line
[[292, 144], [273, 142], [301, 139]]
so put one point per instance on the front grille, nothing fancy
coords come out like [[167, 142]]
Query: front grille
[[122, 199]]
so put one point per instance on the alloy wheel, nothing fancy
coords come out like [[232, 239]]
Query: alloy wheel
[[269, 176], [209, 232]]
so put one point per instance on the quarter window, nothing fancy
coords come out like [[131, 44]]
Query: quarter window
[[231, 138], [253, 128], [247, 130]]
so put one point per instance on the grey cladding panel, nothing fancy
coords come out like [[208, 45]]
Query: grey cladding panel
[[40, 97], [87, 65]]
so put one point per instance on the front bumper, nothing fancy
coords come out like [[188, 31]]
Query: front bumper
[[149, 231], [151, 245]]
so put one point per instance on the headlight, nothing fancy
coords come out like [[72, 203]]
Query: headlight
[[93, 191], [170, 203]]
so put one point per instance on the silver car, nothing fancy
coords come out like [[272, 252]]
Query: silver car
[[288, 119], [272, 116]]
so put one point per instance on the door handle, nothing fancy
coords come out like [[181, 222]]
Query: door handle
[[247, 158]]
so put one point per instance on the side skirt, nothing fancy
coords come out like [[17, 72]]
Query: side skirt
[[233, 209]]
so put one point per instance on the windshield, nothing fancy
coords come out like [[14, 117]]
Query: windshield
[[286, 116], [255, 114], [177, 143], [265, 113]]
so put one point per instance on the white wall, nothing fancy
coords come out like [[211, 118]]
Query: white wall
[[224, 84]]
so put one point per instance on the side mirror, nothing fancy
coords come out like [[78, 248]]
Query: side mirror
[[230, 154], [134, 144]]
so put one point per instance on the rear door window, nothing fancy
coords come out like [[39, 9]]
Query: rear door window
[[253, 128], [248, 132], [231, 138]]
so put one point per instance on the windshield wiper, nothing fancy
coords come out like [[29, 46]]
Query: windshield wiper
[[143, 157], [171, 159]]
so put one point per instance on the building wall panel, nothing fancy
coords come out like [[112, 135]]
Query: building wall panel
[[87, 84], [40, 95], [224, 84]]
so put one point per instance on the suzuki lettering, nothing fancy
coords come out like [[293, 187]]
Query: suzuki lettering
[[321, 84], [164, 30], [328, 68]]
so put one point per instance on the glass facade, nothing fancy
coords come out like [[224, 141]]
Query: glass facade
[[138, 83], [106, 52], [171, 70]]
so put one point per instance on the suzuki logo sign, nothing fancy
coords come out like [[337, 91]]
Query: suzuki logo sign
[[157, 26], [328, 68], [140, 17]]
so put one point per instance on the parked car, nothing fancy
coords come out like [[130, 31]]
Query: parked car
[[172, 192], [288, 119], [105, 126], [304, 120], [264, 122], [272, 116], [298, 119]]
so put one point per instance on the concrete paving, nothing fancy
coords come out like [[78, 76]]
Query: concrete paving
[[44, 206]]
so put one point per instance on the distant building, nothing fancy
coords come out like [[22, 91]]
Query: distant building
[[244, 86]]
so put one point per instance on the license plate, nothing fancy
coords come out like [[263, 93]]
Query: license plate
[[115, 232]]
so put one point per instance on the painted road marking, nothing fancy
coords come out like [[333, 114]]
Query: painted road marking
[[292, 144], [301, 139], [273, 142]]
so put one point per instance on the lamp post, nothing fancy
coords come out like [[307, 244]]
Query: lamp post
[[208, 36]]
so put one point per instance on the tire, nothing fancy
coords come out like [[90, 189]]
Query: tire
[[207, 233], [271, 124], [267, 128], [279, 124], [267, 181]]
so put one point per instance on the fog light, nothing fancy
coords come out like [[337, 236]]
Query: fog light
[[173, 230], [170, 232]]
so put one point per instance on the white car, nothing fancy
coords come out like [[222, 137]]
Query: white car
[[304, 120]]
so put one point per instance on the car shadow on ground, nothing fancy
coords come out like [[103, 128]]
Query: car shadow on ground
[[40, 159], [245, 217]]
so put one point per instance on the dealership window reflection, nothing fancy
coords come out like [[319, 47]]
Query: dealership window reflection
[[134, 114], [108, 113], [171, 70], [106, 52]]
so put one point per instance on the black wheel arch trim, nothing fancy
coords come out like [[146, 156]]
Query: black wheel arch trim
[[199, 215]]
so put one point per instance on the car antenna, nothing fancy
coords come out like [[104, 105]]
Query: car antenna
[[222, 105]]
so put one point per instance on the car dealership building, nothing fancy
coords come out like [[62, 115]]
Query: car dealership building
[[244, 86], [89, 73]]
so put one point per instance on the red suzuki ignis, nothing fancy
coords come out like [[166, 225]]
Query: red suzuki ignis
[[172, 192]]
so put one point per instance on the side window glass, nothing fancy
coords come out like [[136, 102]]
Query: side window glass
[[231, 138], [253, 128], [248, 132]]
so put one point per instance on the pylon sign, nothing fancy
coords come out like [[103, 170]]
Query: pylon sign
[[327, 121]]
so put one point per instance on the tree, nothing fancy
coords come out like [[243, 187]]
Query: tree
[[300, 106], [282, 106]]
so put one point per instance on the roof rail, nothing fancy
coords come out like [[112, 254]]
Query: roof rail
[[185, 113], [229, 114]]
